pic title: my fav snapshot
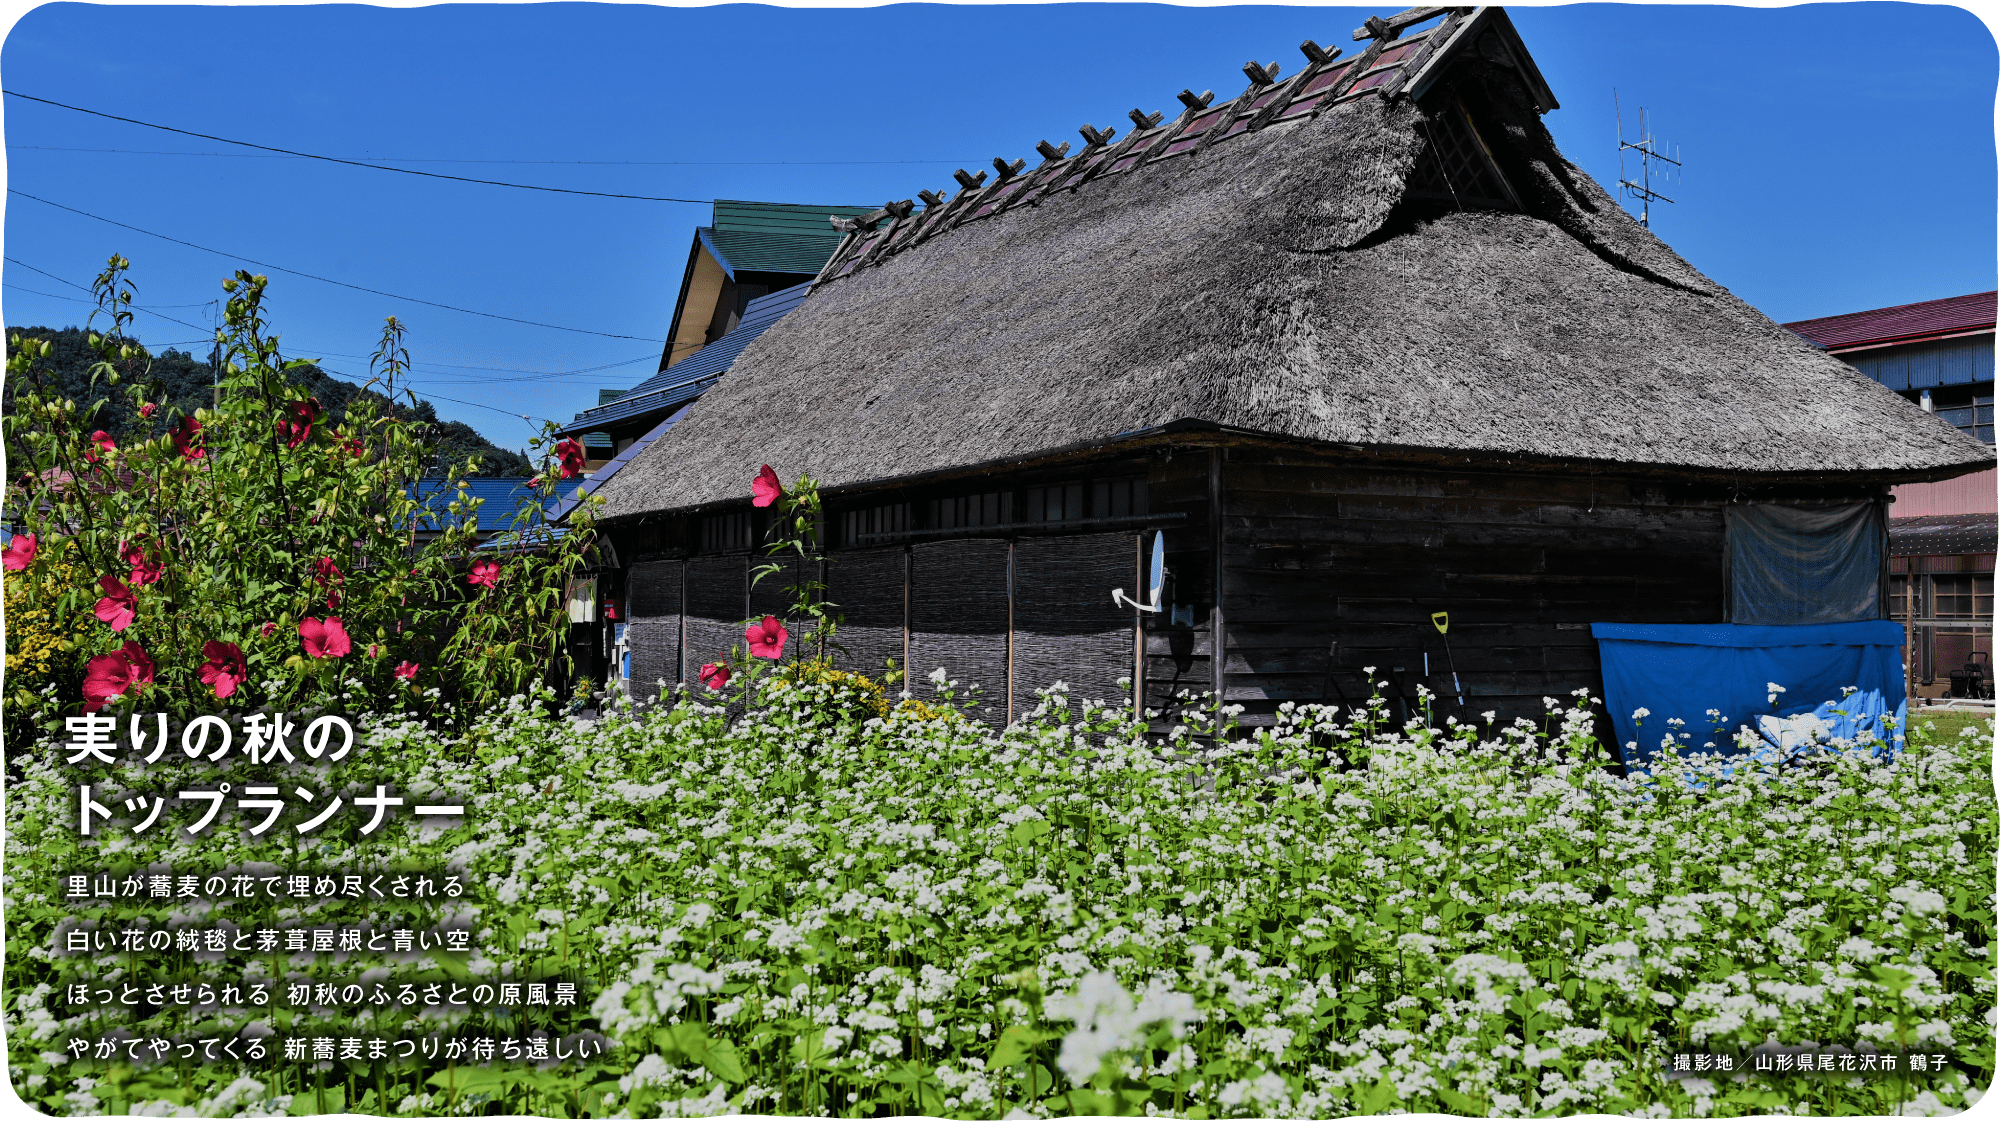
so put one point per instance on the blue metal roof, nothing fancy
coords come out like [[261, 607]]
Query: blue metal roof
[[691, 376], [603, 474], [502, 497]]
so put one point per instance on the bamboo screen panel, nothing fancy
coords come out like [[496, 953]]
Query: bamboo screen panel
[[1065, 626], [717, 603], [866, 588], [653, 598], [958, 620]]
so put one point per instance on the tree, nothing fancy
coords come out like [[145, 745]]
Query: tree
[[184, 383]]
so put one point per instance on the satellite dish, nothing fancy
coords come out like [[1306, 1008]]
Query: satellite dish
[[1156, 580]]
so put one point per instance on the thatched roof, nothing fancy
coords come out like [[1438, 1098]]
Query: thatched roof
[[1286, 281]]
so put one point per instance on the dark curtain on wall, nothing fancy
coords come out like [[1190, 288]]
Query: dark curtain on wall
[[717, 603], [1791, 565], [1065, 626], [958, 620], [653, 600], [866, 588]]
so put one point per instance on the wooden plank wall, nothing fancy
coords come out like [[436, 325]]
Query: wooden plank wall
[[1178, 654], [1065, 626], [866, 587], [653, 600], [718, 600], [1317, 554], [959, 620]]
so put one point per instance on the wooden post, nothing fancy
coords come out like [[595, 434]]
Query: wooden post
[[1139, 627], [1218, 657], [1010, 629], [906, 618]]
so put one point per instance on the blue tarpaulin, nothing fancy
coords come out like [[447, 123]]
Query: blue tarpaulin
[[1685, 670]]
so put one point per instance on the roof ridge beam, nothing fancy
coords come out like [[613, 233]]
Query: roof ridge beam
[[1382, 30]]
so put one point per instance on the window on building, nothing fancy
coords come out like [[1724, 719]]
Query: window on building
[[726, 533], [972, 510], [1061, 503], [875, 524], [1968, 409], [1456, 166], [1964, 595], [1118, 498]]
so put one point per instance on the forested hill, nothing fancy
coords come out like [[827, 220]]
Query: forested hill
[[188, 383]]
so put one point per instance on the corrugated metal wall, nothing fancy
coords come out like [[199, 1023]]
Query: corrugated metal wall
[[1928, 365]]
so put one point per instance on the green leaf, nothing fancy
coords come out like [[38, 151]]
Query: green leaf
[[1031, 830], [1014, 1046]]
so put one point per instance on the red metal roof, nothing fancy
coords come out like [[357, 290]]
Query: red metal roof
[[1909, 323]]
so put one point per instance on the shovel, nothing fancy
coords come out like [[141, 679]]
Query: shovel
[[1442, 621]]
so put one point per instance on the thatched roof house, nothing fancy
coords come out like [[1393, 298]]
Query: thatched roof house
[[1359, 339]]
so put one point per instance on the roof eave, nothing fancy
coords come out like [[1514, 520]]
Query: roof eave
[[1190, 430]]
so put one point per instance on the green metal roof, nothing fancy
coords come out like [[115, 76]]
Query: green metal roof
[[774, 236]]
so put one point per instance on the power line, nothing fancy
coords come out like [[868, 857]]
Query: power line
[[353, 163], [456, 401], [322, 279], [529, 375], [546, 163], [81, 288]]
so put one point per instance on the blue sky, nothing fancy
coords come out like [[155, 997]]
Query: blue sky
[[1838, 156]]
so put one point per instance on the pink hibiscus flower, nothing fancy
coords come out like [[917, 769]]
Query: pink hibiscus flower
[[112, 675], [571, 454], [484, 574], [19, 553], [267, 630], [767, 639], [148, 409], [765, 488], [119, 606], [406, 670], [715, 675], [325, 638], [100, 444], [183, 432], [145, 568], [224, 669], [327, 572], [297, 427]]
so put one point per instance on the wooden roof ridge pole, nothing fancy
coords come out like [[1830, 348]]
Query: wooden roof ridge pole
[[1262, 78], [1381, 29], [968, 189], [1438, 37], [1361, 66], [1318, 60], [1124, 147], [900, 213], [840, 253]]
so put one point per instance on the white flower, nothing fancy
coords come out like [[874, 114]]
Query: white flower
[[1107, 1022]]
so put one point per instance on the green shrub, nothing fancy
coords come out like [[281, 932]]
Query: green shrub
[[257, 554]]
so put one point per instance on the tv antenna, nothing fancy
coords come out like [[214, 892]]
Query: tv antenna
[[1649, 151]]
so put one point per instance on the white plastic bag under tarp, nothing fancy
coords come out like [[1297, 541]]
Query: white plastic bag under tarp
[[1792, 565]]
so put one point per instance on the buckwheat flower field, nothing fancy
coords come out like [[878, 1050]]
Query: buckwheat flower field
[[812, 909]]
